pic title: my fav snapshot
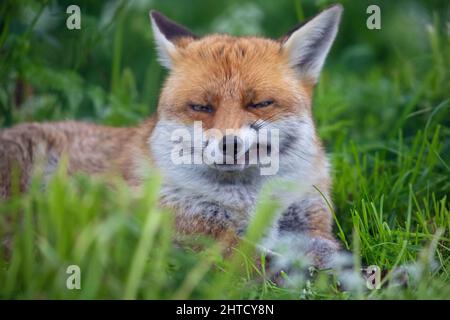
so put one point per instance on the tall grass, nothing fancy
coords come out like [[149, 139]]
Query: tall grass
[[123, 244], [381, 106]]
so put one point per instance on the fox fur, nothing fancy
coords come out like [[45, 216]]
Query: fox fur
[[227, 77]]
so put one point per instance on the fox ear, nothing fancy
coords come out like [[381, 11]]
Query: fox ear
[[165, 32], [308, 45]]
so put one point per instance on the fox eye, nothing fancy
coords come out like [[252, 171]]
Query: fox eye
[[201, 108], [259, 105]]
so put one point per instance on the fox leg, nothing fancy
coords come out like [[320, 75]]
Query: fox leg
[[304, 231], [23, 149], [14, 158], [210, 219]]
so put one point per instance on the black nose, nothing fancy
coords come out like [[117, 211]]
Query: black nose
[[231, 146]]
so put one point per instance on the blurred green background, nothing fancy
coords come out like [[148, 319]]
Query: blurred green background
[[381, 105]]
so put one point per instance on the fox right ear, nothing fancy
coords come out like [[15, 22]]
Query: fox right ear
[[308, 45], [166, 32]]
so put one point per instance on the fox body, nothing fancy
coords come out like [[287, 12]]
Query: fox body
[[237, 86]]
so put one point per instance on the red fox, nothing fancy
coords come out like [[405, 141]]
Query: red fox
[[238, 87]]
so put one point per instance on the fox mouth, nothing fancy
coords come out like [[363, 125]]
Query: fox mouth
[[230, 167], [239, 162]]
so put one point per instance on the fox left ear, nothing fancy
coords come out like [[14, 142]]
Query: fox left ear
[[308, 46], [166, 32]]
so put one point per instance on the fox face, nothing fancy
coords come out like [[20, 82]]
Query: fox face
[[236, 88], [228, 83]]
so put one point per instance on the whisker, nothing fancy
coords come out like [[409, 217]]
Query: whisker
[[260, 123], [302, 155]]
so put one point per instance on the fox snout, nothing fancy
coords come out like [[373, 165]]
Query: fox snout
[[233, 148]]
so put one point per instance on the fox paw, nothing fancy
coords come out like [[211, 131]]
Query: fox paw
[[300, 256]]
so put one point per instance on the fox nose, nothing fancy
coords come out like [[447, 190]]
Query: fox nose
[[232, 147]]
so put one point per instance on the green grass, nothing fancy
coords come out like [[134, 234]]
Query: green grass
[[382, 108]]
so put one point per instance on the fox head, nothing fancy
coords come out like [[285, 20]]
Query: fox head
[[237, 86]]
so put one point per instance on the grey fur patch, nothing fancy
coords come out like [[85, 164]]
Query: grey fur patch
[[52, 163], [215, 213], [322, 251], [295, 218], [219, 215]]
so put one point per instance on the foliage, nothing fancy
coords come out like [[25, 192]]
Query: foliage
[[382, 108]]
